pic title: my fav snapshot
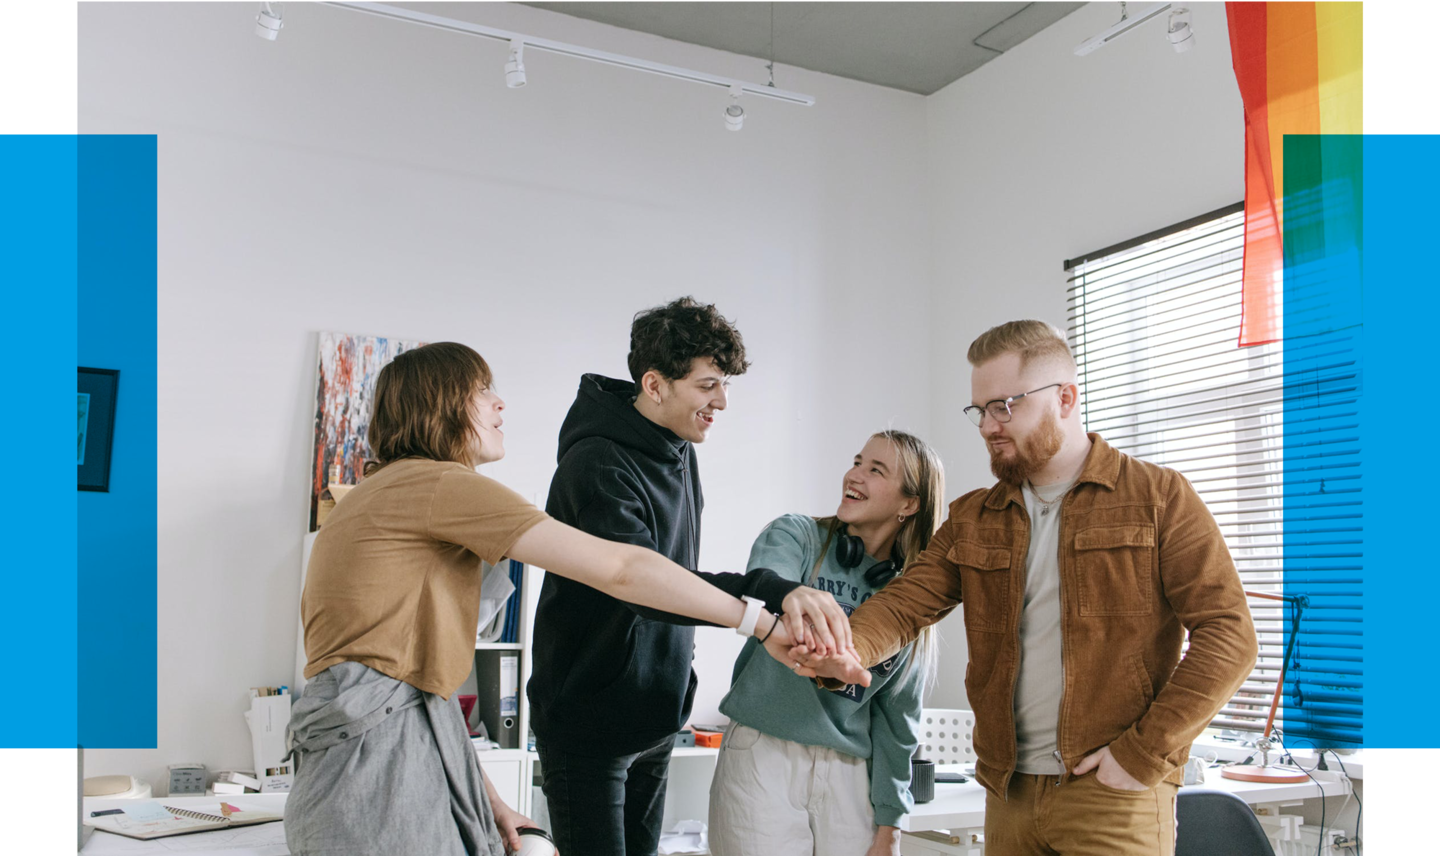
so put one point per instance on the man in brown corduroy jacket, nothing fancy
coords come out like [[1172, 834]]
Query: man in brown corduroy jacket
[[1080, 572]]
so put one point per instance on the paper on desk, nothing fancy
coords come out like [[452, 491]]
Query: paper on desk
[[264, 840], [145, 811], [267, 719], [688, 836]]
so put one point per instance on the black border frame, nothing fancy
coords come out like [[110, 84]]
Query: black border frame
[[108, 427]]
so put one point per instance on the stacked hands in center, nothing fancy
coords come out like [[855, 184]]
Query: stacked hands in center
[[813, 638]]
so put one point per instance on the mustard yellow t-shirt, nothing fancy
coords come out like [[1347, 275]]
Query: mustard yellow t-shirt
[[394, 576]]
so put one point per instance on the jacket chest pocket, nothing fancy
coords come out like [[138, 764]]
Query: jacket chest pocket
[[1115, 566], [985, 581]]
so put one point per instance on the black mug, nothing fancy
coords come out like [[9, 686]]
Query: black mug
[[922, 780]]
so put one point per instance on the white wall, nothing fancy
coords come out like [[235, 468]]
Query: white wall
[[367, 176], [1040, 156]]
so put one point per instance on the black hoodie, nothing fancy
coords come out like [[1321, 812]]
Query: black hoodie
[[612, 678]]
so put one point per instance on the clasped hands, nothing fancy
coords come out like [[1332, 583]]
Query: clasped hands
[[813, 638]]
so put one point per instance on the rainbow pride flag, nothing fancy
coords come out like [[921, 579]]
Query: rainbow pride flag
[[1299, 70]]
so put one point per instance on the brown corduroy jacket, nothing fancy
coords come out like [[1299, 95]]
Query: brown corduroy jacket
[[1142, 562]]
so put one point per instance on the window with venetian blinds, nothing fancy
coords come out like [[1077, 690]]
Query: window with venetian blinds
[[1154, 324]]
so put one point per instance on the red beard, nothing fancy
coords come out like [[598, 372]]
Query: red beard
[[1031, 454]]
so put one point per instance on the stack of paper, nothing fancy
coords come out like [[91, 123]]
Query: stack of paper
[[235, 782], [688, 836]]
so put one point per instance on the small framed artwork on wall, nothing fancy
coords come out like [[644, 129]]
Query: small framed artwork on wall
[[96, 427]]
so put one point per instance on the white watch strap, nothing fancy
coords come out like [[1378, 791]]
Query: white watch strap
[[752, 615]]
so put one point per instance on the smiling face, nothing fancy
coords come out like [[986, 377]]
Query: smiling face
[[872, 491], [687, 406], [1024, 445], [487, 441]]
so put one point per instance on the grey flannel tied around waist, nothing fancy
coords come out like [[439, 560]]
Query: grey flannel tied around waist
[[319, 720], [383, 769]]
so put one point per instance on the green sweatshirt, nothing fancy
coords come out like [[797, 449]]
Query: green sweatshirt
[[879, 723]]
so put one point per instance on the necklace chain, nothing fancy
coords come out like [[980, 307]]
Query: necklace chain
[[1044, 505]]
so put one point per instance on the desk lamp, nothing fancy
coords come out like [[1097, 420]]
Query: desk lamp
[[1277, 774]]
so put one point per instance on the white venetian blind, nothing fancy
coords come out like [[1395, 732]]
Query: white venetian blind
[[1155, 324]]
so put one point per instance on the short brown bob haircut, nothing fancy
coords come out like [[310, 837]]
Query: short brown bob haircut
[[422, 404]]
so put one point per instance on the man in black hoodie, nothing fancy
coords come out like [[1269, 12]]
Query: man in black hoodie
[[612, 683]]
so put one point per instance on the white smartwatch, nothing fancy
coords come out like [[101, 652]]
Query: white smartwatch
[[753, 605]]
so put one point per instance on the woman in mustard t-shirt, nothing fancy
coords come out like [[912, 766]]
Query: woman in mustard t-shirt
[[384, 763]]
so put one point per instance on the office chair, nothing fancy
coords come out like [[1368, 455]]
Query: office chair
[[1216, 823], [945, 735]]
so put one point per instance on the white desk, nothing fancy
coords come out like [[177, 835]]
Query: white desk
[[963, 806], [955, 807]]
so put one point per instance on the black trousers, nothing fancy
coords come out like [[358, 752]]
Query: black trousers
[[609, 805]]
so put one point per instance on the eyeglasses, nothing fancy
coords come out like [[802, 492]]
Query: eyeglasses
[[999, 409]]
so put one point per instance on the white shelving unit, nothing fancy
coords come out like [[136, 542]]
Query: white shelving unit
[[511, 770]]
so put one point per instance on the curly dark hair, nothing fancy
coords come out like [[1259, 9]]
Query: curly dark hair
[[668, 338]]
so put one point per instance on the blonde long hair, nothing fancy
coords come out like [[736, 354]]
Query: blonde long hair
[[922, 476]]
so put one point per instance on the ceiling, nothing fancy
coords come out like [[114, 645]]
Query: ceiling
[[915, 47]]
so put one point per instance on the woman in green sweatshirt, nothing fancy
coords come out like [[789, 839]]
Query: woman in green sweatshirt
[[803, 770]]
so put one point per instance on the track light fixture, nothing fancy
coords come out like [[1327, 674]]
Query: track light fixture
[[515, 65], [734, 114], [1181, 37], [268, 22], [1179, 34]]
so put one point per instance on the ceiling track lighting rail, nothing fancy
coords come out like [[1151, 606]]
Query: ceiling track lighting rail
[[268, 25], [1177, 31]]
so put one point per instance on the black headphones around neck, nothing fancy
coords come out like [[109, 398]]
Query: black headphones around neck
[[850, 552]]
